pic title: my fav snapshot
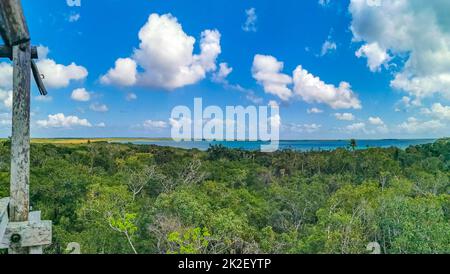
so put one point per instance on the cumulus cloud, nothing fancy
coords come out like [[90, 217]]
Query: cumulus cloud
[[438, 111], [61, 121], [41, 98], [97, 107], [55, 75], [6, 98], [302, 128], [415, 30], [221, 75], [124, 73], [376, 121], [250, 22], [6, 72], [5, 119], [356, 127], [313, 90], [267, 71], [165, 57], [80, 94], [413, 125], [328, 47], [151, 124], [314, 111], [58, 75], [376, 56], [131, 96], [344, 116]]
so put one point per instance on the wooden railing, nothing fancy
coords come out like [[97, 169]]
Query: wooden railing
[[21, 231], [33, 234]]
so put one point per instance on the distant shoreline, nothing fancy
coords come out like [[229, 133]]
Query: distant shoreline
[[69, 140]]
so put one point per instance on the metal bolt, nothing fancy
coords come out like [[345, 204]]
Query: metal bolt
[[15, 238]]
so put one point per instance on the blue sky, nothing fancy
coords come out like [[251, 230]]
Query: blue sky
[[398, 80]]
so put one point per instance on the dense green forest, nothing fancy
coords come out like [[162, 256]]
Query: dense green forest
[[124, 198]]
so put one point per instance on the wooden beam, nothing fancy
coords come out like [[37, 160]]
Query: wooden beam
[[30, 234], [35, 217], [3, 216], [13, 27], [6, 52], [20, 140]]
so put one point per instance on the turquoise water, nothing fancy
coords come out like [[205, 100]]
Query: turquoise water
[[300, 145]]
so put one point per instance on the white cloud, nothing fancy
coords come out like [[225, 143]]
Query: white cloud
[[267, 71], [413, 125], [356, 127], [61, 121], [314, 111], [101, 125], [98, 107], [57, 75], [41, 98], [415, 30], [376, 121], [5, 119], [273, 104], [376, 56], [250, 22], [131, 96], [42, 51], [311, 89], [438, 111], [165, 56], [6, 98], [221, 75], [124, 73], [327, 47], [6, 72], [301, 128], [345, 116], [151, 124], [81, 94]]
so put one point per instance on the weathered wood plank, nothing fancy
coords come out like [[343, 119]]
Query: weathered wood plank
[[3, 216], [13, 27], [6, 52], [20, 141], [35, 217], [31, 235]]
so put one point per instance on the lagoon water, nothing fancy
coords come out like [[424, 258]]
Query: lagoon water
[[299, 145]]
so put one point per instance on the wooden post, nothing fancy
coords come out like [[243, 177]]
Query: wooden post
[[22, 232], [20, 142]]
